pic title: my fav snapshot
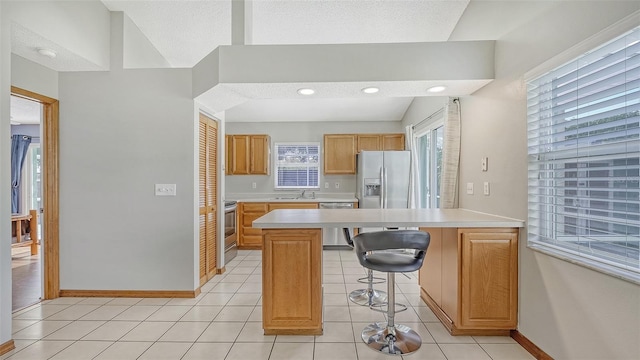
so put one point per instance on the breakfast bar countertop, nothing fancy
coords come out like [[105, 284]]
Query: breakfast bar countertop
[[332, 218]]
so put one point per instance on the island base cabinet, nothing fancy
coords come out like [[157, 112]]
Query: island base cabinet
[[470, 279], [292, 282]]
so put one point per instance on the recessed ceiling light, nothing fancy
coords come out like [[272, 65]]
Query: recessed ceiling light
[[306, 91], [47, 52], [370, 90], [438, 88]]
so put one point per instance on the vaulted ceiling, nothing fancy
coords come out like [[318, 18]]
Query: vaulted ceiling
[[185, 31]]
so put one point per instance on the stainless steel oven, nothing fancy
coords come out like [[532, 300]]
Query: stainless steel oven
[[230, 239]]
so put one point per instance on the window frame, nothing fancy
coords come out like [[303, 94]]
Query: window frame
[[276, 146], [568, 251], [429, 129]]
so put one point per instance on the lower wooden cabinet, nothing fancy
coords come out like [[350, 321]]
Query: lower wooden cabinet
[[470, 279], [250, 238]]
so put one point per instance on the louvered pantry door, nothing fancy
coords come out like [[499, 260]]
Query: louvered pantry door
[[207, 161]]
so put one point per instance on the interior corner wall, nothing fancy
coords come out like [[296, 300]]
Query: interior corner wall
[[5, 178], [121, 132], [570, 312], [421, 108], [301, 132], [138, 52], [34, 77]]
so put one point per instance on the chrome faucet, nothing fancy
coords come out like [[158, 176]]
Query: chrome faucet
[[302, 195]]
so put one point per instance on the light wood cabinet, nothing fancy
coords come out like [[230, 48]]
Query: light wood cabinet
[[251, 238], [339, 154], [470, 279], [247, 154], [292, 275], [380, 142], [340, 149], [369, 142], [392, 141], [248, 237]]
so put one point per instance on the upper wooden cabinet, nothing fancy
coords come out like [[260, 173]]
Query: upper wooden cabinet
[[340, 149], [378, 142], [247, 154], [339, 154], [392, 141]]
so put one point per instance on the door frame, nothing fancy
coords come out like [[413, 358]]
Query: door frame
[[50, 148]]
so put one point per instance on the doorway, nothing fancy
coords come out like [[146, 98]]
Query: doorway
[[46, 157], [26, 202]]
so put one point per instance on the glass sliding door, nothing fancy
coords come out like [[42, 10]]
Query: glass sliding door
[[429, 147]]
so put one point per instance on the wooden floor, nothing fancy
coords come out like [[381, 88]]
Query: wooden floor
[[25, 274]]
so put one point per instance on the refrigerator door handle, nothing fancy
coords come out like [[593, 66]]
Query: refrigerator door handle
[[382, 193], [384, 186]]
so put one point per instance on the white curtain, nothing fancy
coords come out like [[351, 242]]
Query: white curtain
[[414, 190], [450, 156]]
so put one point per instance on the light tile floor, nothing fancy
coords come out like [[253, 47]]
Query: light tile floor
[[224, 322]]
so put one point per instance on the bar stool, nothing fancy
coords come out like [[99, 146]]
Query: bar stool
[[369, 296], [391, 338]]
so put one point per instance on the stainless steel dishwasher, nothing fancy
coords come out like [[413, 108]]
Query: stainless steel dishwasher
[[333, 238]]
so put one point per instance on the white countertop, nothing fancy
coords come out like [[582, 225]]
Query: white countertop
[[332, 218]]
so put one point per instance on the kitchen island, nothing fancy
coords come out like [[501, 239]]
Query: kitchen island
[[469, 277]]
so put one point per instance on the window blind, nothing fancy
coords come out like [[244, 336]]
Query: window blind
[[584, 150], [297, 166]]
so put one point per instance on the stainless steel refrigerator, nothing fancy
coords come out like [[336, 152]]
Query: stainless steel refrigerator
[[383, 179]]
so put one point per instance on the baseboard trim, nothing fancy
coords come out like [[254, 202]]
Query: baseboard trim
[[130, 293], [221, 270], [6, 347], [528, 345]]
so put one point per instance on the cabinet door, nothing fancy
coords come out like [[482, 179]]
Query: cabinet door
[[340, 154], [299, 205], [248, 236], [489, 279], [369, 142], [228, 146], [392, 141], [259, 155], [240, 160]]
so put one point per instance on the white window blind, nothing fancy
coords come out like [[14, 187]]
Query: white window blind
[[297, 166], [584, 150]]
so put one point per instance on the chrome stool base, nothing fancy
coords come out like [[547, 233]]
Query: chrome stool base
[[398, 340], [363, 298]]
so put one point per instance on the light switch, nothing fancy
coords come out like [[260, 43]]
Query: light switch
[[485, 163], [470, 188], [165, 189], [486, 188], [326, 185], [337, 185]]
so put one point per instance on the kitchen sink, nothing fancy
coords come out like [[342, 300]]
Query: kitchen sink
[[286, 198]]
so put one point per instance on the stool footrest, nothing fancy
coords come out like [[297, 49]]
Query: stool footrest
[[376, 280], [385, 310]]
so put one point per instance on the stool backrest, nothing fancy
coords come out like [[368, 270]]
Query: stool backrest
[[393, 240], [347, 236]]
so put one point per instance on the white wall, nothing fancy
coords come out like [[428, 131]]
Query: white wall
[[28, 75], [5, 178], [138, 51], [421, 108], [120, 133], [570, 312], [304, 132]]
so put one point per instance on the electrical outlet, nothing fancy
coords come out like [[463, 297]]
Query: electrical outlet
[[337, 185], [470, 188], [253, 185], [486, 188], [326, 185], [165, 189]]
